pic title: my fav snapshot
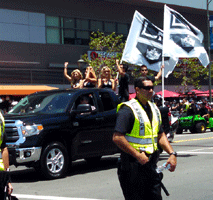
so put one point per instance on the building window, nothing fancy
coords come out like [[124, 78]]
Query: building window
[[122, 29], [96, 26], [109, 27], [63, 30], [53, 30]]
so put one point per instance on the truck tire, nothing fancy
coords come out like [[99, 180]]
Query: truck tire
[[200, 127], [179, 130], [54, 160]]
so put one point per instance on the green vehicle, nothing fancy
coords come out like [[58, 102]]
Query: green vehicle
[[195, 123]]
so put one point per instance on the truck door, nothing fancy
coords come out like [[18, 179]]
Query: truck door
[[86, 141]]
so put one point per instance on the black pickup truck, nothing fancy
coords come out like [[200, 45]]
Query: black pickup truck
[[48, 130]]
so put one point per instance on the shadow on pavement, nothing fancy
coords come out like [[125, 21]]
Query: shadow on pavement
[[78, 167]]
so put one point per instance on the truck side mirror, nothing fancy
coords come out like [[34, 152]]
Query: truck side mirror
[[83, 108]]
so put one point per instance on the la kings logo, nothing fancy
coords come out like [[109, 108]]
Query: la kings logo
[[184, 38], [150, 42]]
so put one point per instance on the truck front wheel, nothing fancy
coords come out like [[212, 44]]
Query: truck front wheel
[[201, 127], [54, 160]]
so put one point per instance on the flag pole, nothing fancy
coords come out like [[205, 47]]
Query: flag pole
[[162, 81], [163, 60]]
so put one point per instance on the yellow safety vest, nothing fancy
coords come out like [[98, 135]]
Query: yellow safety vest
[[187, 104], [143, 136], [2, 125]]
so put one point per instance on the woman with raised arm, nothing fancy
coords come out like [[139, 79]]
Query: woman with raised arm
[[105, 81], [75, 79], [90, 78]]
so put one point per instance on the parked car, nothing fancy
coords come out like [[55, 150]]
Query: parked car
[[48, 130]]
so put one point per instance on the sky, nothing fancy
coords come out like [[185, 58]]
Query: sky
[[190, 3]]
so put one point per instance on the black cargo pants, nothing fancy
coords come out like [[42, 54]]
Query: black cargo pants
[[139, 182]]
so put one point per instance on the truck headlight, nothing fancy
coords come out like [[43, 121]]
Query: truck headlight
[[30, 130]]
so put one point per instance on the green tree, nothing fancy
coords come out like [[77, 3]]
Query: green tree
[[190, 69], [111, 44]]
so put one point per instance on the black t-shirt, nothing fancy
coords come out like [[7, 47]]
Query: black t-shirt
[[203, 111], [125, 119], [152, 78], [3, 144], [124, 85]]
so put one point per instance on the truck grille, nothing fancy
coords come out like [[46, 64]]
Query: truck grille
[[11, 131]]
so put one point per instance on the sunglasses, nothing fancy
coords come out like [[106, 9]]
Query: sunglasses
[[144, 70], [148, 88]]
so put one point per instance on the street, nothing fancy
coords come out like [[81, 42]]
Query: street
[[192, 179]]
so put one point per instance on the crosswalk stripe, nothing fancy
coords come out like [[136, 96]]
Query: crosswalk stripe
[[25, 196]]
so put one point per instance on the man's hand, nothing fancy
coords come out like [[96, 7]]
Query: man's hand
[[142, 158], [172, 160], [10, 188]]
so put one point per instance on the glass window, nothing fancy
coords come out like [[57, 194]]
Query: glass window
[[69, 23], [96, 25], [69, 33], [52, 21], [123, 29], [69, 36], [82, 24], [53, 35], [109, 27], [83, 34], [106, 101]]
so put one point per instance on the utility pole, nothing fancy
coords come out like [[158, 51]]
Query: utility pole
[[208, 40]]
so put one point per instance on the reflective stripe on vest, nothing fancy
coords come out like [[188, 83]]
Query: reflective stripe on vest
[[139, 140], [1, 165], [143, 136]]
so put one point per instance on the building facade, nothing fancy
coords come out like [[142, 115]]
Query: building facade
[[37, 37]]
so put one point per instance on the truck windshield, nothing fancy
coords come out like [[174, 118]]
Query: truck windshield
[[53, 103]]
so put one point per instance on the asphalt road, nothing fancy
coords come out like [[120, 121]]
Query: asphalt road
[[192, 179]]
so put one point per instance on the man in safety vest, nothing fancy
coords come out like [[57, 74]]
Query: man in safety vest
[[4, 159], [137, 133]]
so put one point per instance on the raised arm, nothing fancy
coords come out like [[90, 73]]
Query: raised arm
[[120, 70], [91, 76], [65, 72], [100, 83], [159, 73]]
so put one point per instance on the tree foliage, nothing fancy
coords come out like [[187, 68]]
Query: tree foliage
[[190, 70], [111, 44]]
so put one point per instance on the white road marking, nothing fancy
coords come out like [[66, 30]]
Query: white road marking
[[25, 196], [191, 152]]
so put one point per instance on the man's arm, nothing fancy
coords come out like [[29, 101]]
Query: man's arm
[[166, 146], [120, 140], [121, 72], [5, 157], [159, 73]]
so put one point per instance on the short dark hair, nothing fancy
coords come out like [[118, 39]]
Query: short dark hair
[[84, 98], [139, 81], [125, 67], [143, 66]]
